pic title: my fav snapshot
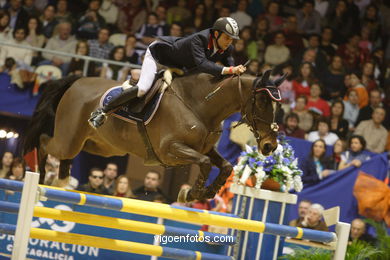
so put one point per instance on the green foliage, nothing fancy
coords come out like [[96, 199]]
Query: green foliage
[[308, 254], [360, 250], [383, 238]]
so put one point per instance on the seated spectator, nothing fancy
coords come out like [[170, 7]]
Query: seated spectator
[[76, 65], [178, 13], [122, 187], [90, 22], [315, 102], [327, 44], [18, 16], [150, 30], [241, 16], [373, 131], [161, 12], [110, 174], [29, 7], [291, 128], [351, 109], [253, 68], [5, 30], [313, 218], [318, 58], [355, 154], [375, 100], [352, 54], [277, 53], [275, 21], [176, 30], [251, 46], [305, 78], [115, 72], [34, 36], [294, 40], [303, 208], [100, 47], [95, 182], [130, 52], [338, 124], [5, 164], [286, 88], [323, 133], [17, 170], [372, 21], [358, 232], [340, 21], [309, 20], [333, 79], [22, 56], [339, 147], [132, 14], [48, 20], [197, 22], [63, 13], [261, 36], [63, 42], [316, 166], [52, 167], [360, 89], [239, 53], [305, 117], [150, 189]]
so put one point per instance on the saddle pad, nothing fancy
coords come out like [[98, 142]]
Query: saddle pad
[[125, 112]]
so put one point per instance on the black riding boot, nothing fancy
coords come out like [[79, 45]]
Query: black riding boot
[[99, 116]]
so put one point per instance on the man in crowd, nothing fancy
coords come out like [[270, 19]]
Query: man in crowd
[[95, 182], [303, 208], [150, 190], [291, 128], [313, 218], [358, 232], [100, 48], [365, 113], [110, 174]]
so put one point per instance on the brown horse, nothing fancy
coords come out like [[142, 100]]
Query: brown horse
[[184, 129]]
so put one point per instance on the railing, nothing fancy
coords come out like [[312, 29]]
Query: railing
[[87, 59]]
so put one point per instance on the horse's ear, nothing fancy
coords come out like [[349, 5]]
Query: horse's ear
[[280, 80], [265, 77]]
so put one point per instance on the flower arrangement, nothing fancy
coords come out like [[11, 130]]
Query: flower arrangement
[[281, 166]]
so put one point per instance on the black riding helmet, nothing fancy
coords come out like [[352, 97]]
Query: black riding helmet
[[227, 25]]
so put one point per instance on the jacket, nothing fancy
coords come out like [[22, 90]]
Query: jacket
[[191, 53]]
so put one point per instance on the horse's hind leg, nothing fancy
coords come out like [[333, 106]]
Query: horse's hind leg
[[42, 157], [64, 173], [184, 154]]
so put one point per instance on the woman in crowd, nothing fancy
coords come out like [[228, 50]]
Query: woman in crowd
[[368, 79], [122, 187], [323, 133], [272, 15], [76, 65], [334, 79], [17, 170], [278, 52], [262, 36], [5, 30], [115, 72], [286, 88], [251, 46], [305, 117], [22, 56], [198, 21], [305, 78], [316, 166], [351, 109], [316, 102], [239, 53], [5, 164], [34, 36], [130, 52], [339, 147], [338, 124], [356, 154]]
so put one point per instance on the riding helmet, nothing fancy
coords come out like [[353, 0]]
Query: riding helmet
[[227, 25]]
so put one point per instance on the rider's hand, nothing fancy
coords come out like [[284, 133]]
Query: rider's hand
[[239, 69]]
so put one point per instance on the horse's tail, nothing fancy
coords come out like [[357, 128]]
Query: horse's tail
[[42, 121]]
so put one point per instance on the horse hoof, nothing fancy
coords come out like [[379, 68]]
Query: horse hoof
[[183, 196], [61, 182]]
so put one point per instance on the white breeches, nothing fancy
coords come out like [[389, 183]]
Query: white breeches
[[148, 72]]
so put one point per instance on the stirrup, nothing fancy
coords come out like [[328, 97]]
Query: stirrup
[[97, 118]]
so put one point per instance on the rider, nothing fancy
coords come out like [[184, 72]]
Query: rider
[[197, 52]]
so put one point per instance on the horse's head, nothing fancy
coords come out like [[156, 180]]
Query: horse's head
[[260, 111]]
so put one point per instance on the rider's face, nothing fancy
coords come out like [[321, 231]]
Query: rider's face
[[224, 41]]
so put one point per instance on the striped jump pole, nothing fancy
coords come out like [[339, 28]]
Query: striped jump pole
[[117, 223], [169, 212], [115, 244]]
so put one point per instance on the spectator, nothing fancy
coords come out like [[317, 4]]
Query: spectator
[[291, 128], [150, 189], [286, 88], [305, 117], [251, 46], [29, 7], [89, 24], [198, 21], [305, 78], [178, 13], [110, 174], [261, 36], [373, 131], [17, 170], [161, 12], [303, 208], [18, 16], [358, 232], [131, 16], [76, 65], [375, 100], [239, 52], [63, 13], [338, 124], [253, 68], [109, 11], [352, 54], [100, 48], [48, 20], [63, 42], [309, 20], [95, 182], [242, 18], [351, 109], [150, 30], [315, 102], [368, 79], [22, 56], [277, 53], [327, 44], [5, 164], [35, 37], [115, 72], [316, 166], [313, 218], [371, 21], [272, 15], [355, 154], [360, 89], [5, 30], [339, 147], [130, 50], [334, 79], [341, 22], [323, 133], [122, 187], [176, 30], [293, 39]]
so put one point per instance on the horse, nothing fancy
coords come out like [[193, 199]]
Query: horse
[[183, 131]]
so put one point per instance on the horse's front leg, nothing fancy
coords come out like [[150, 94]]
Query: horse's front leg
[[225, 169], [185, 154]]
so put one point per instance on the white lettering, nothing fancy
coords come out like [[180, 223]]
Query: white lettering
[[65, 247], [82, 249], [55, 245], [93, 251], [44, 243]]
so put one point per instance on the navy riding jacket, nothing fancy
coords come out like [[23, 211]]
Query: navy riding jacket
[[192, 53]]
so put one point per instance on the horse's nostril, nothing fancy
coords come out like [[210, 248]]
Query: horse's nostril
[[267, 148]]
